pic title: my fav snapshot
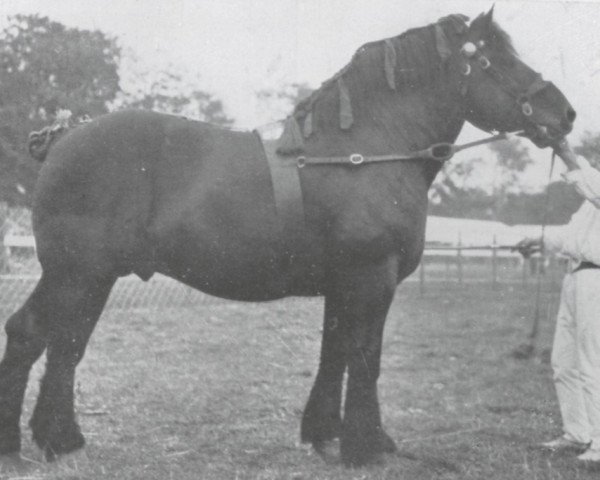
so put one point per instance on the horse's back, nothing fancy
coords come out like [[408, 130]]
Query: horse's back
[[143, 192]]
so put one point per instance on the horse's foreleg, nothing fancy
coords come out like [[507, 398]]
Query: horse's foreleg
[[363, 296], [25, 344], [322, 420], [74, 304]]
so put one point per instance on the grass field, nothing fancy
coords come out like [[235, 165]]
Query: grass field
[[216, 391]]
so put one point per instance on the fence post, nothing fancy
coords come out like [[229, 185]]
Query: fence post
[[4, 254], [459, 260], [494, 263], [525, 268]]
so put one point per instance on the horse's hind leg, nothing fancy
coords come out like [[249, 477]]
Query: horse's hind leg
[[25, 343], [322, 420], [72, 304]]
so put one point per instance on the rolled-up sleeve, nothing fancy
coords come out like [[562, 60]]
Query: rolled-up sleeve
[[555, 238], [586, 180]]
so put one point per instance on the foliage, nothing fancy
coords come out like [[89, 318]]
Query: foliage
[[46, 66], [460, 192], [278, 102], [167, 92], [553, 206], [590, 148], [15, 176], [457, 193]]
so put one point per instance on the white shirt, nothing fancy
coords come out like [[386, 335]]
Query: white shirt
[[580, 238]]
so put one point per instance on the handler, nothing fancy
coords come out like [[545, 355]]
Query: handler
[[576, 348]]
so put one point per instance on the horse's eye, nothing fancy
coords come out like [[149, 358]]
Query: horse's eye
[[468, 49]]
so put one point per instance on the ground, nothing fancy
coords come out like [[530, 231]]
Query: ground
[[216, 391]]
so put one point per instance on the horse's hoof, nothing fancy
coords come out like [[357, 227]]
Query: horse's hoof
[[328, 450], [73, 462], [386, 444], [11, 463]]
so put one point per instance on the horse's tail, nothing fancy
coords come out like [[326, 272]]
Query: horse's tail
[[39, 142]]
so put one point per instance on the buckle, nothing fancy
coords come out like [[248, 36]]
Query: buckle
[[356, 159]]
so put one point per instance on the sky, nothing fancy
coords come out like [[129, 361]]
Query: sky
[[235, 48]]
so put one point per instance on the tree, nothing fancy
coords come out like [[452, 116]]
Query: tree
[[554, 206], [278, 102], [590, 148], [167, 92], [458, 193], [512, 158], [45, 66], [480, 187]]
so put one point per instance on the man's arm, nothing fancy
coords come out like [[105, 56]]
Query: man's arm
[[584, 177], [586, 180]]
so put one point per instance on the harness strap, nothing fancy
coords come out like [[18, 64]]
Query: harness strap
[[287, 192], [440, 152]]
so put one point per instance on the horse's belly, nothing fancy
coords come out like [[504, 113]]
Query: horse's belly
[[242, 272]]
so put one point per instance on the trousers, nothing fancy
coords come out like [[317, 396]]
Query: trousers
[[576, 356]]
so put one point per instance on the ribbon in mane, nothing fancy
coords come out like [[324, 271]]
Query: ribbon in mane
[[346, 118], [308, 126], [291, 140], [390, 60], [408, 62]]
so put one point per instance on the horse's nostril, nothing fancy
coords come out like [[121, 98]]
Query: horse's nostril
[[571, 115]]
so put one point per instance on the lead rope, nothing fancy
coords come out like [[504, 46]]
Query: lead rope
[[526, 350]]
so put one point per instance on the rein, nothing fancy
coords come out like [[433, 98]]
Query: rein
[[440, 152]]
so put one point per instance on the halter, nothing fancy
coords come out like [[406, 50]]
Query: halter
[[522, 97], [442, 152]]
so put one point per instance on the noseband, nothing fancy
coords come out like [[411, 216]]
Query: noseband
[[510, 86]]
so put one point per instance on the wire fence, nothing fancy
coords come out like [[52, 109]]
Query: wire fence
[[457, 266]]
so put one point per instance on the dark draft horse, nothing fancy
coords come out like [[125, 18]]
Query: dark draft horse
[[142, 192]]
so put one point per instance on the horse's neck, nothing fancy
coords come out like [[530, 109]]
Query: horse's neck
[[387, 121]]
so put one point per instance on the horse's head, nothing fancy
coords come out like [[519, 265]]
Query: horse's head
[[503, 93]]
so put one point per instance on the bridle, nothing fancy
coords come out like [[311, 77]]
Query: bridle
[[442, 152], [523, 97]]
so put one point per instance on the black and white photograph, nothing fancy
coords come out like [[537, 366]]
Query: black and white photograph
[[299, 239]]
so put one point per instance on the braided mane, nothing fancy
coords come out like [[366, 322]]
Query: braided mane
[[408, 61]]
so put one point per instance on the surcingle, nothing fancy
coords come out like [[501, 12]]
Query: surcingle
[[291, 140]]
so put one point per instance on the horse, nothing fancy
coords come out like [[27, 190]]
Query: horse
[[138, 192]]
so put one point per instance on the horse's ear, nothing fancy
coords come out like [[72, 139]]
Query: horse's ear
[[483, 23], [489, 18]]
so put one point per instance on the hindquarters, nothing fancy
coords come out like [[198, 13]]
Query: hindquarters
[[93, 196]]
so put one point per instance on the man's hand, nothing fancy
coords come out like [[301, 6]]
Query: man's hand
[[529, 246], [564, 151]]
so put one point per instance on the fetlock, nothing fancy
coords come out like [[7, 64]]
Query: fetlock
[[56, 436]]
